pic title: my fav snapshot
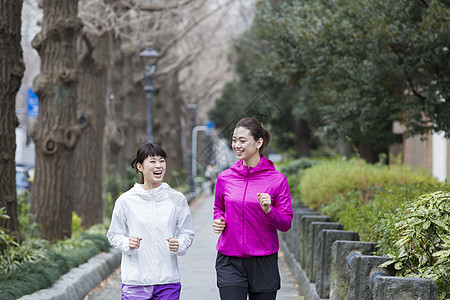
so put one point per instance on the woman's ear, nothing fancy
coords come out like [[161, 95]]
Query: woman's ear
[[139, 167], [259, 143]]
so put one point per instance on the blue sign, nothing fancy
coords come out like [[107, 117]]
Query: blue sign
[[210, 124], [32, 104]]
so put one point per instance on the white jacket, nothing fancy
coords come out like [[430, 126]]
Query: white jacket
[[153, 215]]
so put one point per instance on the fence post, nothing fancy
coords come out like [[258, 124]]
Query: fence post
[[326, 239], [312, 247], [293, 241], [305, 222], [363, 269], [339, 274], [404, 288]]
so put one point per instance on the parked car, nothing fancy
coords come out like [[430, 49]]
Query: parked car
[[22, 179]]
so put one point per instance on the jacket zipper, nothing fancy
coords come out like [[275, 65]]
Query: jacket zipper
[[243, 213]]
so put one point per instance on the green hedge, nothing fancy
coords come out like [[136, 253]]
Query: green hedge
[[322, 182], [30, 277], [358, 195], [406, 212], [358, 214], [36, 264], [417, 238], [294, 171]]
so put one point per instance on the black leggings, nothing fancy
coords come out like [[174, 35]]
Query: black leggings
[[240, 293]]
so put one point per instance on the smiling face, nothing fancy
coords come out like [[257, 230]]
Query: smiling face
[[153, 169], [245, 146]]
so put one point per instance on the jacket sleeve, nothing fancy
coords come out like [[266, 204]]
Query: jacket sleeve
[[118, 230], [219, 203], [280, 215], [185, 229]]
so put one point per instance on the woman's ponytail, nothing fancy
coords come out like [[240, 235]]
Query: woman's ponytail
[[266, 139]]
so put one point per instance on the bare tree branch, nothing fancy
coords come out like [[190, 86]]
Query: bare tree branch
[[155, 8], [187, 56], [192, 26]]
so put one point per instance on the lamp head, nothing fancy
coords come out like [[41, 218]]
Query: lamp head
[[149, 57]]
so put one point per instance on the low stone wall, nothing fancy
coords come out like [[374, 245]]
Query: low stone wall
[[331, 263]]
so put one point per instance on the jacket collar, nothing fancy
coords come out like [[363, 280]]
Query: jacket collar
[[158, 192], [263, 165]]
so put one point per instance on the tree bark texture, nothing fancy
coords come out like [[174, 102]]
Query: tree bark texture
[[11, 73], [302, 138], [92, 74], [56, 130], [369, 152], [344, 147], [137, 121], [134, 108], [114, 136], [167, 123]]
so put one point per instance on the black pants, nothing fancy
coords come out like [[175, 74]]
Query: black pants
[[258, 276], [239, 293]]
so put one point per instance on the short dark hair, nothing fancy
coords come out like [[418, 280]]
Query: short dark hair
[[257, 130], [144, 151]]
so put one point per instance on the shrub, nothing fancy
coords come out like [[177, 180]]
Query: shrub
[[392, 205], [323, 181], [12, 255], [76, 224], [36, 264], [294, 170], [419, 239], [114, 185], [27, 225], [30, 276], [354, 213], [291, 168], [5, 239]]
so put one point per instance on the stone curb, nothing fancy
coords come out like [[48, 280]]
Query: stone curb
[[78, 282], [307, 289]]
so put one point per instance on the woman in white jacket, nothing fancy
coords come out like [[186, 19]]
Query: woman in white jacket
[[151, 224]]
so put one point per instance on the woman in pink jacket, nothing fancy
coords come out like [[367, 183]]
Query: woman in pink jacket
[[252, 202]]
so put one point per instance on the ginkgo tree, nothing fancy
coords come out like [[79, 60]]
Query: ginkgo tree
[[356, 66]]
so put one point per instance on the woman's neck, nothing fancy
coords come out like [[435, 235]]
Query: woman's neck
[[150, 186], [252, 161]]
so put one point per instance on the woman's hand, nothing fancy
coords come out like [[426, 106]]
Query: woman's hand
[[219, 225], [173, 244], [134, 242], [265, 201]]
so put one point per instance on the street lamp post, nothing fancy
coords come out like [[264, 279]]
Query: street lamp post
[[191, 108], [149, 58], [208, 129]]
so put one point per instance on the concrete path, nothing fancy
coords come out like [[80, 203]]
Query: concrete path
[[198, 277]]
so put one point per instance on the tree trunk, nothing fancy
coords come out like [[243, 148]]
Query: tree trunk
[[302, 138], [56, 130], [344, 147], [88, 202], [137, 121], [369, 153], [11, 73], [167, 123], [134, 108], [115, 137]]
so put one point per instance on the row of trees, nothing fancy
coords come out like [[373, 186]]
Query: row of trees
[[341, 72], [91, 98]]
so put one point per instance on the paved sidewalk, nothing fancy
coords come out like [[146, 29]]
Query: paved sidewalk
[[198, 277]]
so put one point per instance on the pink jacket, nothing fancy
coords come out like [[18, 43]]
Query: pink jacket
[[249, 231]]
